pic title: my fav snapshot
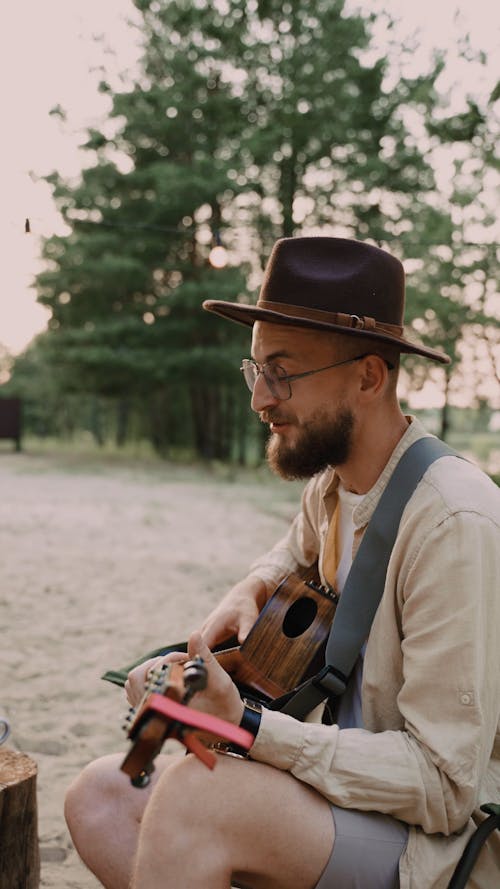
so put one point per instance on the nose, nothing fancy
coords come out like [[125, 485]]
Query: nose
[[262, 397]]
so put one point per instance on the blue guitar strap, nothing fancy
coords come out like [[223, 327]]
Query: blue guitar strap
[[365, 583]]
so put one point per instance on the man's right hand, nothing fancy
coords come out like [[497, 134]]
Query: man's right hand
[[236, 614]]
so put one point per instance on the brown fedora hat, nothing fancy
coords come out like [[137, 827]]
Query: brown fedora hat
[[333, 284]]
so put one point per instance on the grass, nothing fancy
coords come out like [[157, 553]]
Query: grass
[[83, 455], [483, 446]]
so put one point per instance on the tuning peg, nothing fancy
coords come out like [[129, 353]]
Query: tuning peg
[[195, 674], [144, 777], [128, 719]]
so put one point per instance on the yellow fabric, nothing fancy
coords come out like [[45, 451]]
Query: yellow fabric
[[330, 552]]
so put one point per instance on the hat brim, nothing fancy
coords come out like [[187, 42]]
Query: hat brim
[[247, 315]]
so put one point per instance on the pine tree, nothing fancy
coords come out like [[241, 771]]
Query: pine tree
[[250, 120]]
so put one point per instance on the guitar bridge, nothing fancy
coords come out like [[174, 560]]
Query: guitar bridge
[[323, 590]]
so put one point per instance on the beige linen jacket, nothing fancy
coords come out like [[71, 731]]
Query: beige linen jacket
[[429, 753]]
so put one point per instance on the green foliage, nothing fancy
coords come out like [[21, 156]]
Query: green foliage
[[459, 128], [254, 119], [453, 297]]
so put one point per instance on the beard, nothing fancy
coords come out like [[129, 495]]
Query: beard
[[321, 441]]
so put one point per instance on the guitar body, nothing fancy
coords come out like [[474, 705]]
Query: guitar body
[[286, 644]]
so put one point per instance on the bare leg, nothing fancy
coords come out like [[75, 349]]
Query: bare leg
[[244, 822], [103, 812]]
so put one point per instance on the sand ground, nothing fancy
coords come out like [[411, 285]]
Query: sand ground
[[102, 561]]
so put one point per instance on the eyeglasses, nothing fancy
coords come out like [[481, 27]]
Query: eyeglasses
[[277, 379]]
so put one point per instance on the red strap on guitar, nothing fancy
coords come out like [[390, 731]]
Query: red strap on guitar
[[194, 745], [188, 718]]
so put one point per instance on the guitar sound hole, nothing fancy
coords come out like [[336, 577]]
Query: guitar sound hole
[[299, 617]]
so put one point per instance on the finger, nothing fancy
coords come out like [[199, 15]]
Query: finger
[[218, 677], [198, 647], [130, 694], [174, 657], [210, 635], [246, 625], [215, 632]]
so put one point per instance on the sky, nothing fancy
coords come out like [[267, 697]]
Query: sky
[[49, 57]]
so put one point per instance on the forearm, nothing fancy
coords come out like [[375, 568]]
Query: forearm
[[236, 613], [272, 568], [251, 588], [299, 547]]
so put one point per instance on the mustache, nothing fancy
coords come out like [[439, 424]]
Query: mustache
[[275, 417]]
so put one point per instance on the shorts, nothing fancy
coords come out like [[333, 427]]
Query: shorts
[[366, 851]]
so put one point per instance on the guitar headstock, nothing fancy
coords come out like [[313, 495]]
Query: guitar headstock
[[163, 714], [147, 728], [160, 680]]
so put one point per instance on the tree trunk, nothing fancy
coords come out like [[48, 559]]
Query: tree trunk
[[19, 854], [96, 422], [122, 421], [288, 187], [445, 410]]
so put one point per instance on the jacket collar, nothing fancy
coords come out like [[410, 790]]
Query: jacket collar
[[364, 511]]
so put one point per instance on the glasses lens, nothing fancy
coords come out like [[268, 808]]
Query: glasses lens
[[276, 380], [273, 375], [250, 372]]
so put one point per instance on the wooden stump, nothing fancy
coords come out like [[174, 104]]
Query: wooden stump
[[19, 854]]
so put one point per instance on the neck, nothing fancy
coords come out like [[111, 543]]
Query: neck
[[374, 443]]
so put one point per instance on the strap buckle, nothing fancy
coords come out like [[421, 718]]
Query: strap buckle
[[330, 680]]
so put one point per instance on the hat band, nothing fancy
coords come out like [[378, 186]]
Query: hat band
[[341, 319]]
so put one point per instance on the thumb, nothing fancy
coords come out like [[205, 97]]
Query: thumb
[[198, 646]]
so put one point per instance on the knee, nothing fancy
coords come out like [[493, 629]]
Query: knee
[[186, 781], [188, 789], [96, 789], [197, 792]]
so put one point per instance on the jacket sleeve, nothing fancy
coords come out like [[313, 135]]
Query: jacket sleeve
[[429, 770], [299, 546]]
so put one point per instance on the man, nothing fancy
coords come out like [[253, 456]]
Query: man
[[388, 795]]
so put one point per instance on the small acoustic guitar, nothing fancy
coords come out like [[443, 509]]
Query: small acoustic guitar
[[284, 648]]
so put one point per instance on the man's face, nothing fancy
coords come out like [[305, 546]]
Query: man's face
[[314, 428]]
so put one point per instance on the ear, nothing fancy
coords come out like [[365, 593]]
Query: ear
[[373, 374]]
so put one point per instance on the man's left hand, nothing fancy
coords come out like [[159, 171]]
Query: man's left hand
[[221, 697]]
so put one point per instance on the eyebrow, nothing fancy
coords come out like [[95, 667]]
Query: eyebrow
[[280, 353]]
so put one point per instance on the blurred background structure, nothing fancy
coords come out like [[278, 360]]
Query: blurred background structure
[[213, 128]]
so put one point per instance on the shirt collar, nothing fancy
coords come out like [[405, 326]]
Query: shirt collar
[[364, 511]]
